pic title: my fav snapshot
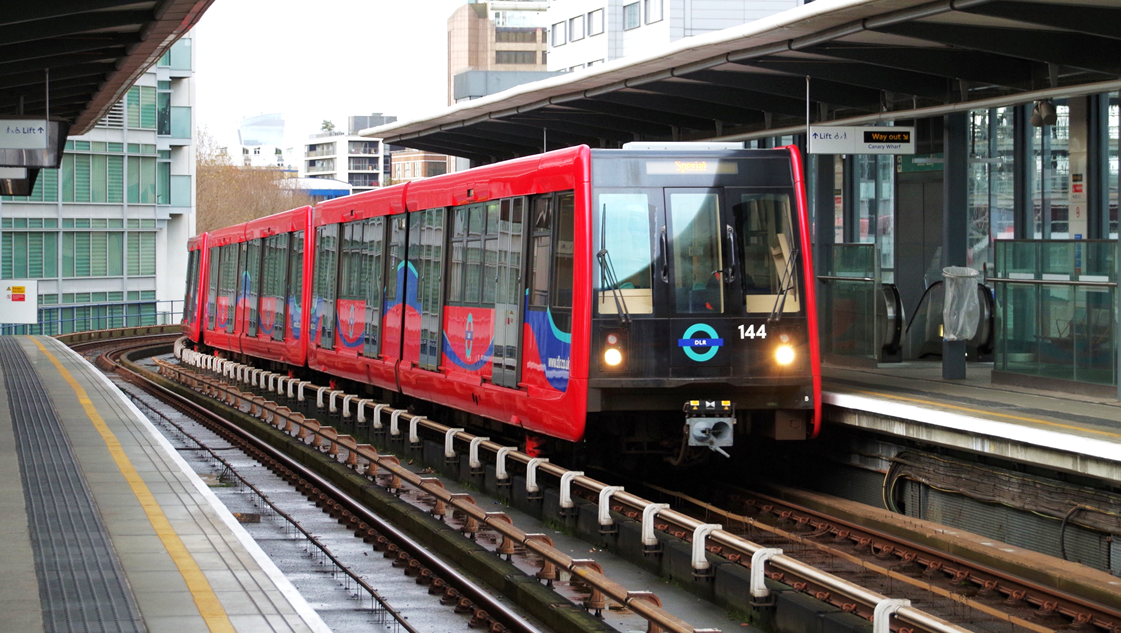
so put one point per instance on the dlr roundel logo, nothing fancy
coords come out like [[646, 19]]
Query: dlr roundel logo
[[697, 347]]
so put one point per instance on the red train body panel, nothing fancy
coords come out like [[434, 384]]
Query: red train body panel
[[493, 291], [194, 305]]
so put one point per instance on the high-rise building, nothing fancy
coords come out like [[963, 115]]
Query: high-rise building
[[106, 234], [353, 159], [356, 124], [585, 33], [493, 46], [262, 141]]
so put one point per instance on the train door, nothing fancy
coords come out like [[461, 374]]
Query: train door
[[213, 276], [252, 285], [373, 243], [426, 257], [695, 220], [326, 278], [508, 292], [396, 288], [295, 285]]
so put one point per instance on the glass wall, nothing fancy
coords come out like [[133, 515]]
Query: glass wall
[[991, 184], [1113, 133], [875, 211]]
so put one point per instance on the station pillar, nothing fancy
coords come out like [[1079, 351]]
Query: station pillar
[[955, 220]]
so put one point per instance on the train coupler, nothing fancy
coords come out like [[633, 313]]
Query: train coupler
[[709, 423]]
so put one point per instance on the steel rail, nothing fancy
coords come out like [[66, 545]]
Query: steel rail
[[799, 575], [467, 588], [307, 430]]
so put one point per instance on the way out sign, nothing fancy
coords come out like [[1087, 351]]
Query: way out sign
[[19, 301], [845, 139]]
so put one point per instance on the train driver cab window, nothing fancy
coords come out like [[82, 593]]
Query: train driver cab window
[[694, 219], [624, 256], [768, 252]]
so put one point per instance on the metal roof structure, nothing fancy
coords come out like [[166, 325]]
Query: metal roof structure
[[93, 51], [866, 60]]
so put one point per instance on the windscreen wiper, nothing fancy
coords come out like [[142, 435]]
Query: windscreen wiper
[[608, 269], [785, 285]]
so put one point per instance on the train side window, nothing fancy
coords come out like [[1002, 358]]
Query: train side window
[[212, 291], [373, 238], [458, 250], [473, 267], [396, 257], [489, 278], [296, 283], [326, 270], [273, 278], [539, 252], [563, 259]]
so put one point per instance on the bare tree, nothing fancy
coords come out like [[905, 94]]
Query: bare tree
[[227, 194]]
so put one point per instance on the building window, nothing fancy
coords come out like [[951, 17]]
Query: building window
[[631, 17], [653, 11], [558, 34], [595, 22], [515, 35], [576, 28], [515, 57]]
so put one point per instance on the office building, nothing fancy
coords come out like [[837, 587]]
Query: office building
[[105, 234]]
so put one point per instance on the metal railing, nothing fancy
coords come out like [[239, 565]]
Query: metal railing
[[67, 319]]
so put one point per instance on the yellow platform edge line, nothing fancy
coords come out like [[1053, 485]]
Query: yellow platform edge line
[[203, 594], [982, 413]]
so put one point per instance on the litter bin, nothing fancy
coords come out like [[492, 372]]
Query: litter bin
[[962, 310]]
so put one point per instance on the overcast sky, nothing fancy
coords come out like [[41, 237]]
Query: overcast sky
[[318, 59]]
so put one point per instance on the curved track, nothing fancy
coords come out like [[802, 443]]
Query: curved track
[[446, 583]]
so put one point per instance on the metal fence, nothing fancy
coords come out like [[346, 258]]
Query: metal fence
[[54, 320]]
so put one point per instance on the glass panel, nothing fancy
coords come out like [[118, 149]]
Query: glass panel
[[374, 238], [624, 222], [848, 308], [181, 122], [1056, 329], [696, 247]]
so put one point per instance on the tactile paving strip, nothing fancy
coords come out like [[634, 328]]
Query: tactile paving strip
[[81, 584]]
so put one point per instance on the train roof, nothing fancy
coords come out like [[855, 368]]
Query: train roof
[[197, 242], [368, 204], [284, 222], [520, 176]]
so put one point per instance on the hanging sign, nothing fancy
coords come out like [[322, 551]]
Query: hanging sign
[[23, 133], [846, 139]]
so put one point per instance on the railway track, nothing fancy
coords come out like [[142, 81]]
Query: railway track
[[836, 562], [444, 582]]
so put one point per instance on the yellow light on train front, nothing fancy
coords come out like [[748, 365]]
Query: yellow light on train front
[[784, 355], [613, 357]]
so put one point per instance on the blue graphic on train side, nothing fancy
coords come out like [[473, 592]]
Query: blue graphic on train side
[[553, 346]]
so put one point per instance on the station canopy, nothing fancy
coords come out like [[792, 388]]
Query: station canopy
[[94, 51], [867, 61]]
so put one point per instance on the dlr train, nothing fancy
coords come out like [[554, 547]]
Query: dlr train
[[651, 300]]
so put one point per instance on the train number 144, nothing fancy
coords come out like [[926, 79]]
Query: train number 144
[[751, 331]]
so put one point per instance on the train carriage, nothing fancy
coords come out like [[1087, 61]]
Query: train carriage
[[276, 263], [578, 293], [359, 287]]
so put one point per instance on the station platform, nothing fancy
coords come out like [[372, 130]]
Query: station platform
[[108, 529], [1064, 431]]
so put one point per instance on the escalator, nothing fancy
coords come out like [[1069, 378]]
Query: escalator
[[923, 336]]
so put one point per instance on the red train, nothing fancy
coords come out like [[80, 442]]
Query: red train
[[623, 295]]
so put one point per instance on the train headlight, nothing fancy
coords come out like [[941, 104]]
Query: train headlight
[[784, 355], [613, 357]]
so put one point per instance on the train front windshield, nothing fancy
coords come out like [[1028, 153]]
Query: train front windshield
[[727, 246]]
